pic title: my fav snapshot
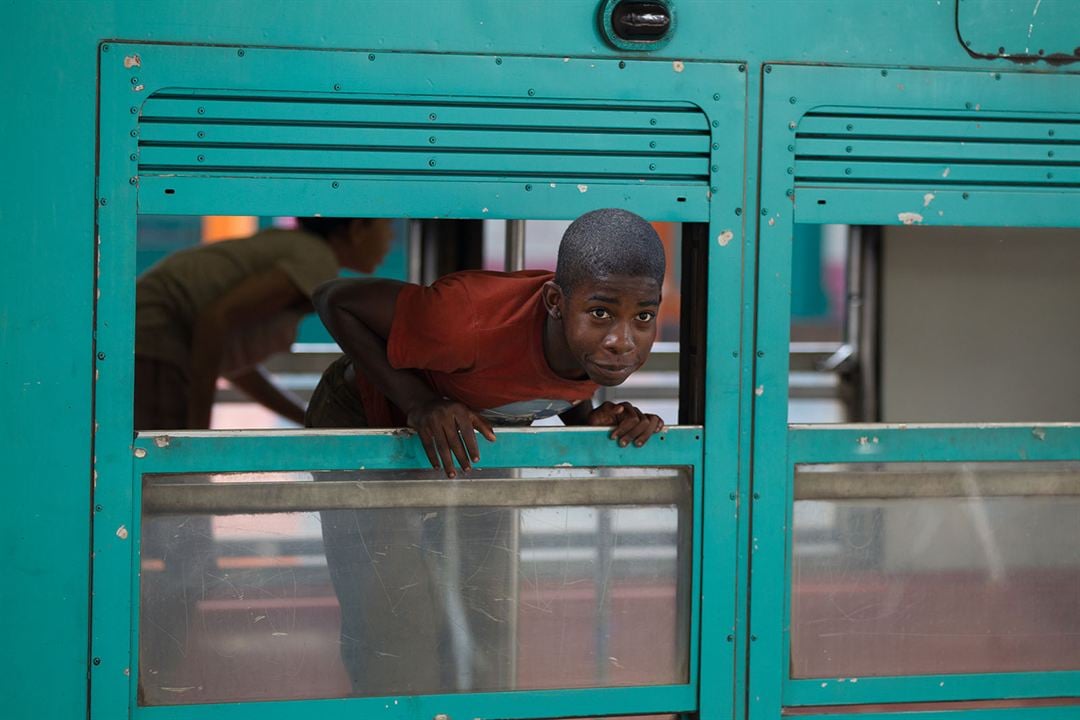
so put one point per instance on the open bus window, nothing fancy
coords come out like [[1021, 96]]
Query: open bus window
[[421, 251], [259, 586], [934, 324]]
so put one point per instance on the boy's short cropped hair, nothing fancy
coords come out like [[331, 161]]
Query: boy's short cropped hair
[[609, 242]]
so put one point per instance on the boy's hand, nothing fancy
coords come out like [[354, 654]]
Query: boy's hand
[[446, 429], [631, 425]]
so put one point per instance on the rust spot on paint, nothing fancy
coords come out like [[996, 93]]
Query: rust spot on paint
[[131, 61]]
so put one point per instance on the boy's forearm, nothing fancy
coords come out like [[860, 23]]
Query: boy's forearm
[[257, 385], [207, 350]]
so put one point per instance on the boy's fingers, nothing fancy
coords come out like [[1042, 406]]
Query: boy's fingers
[[468, 436], [457, 447], [620, 431], [484, 427], [428, 442], [646, 429], [445, 455]]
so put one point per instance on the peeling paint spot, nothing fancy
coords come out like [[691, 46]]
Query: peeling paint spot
[[854, 680], [725, 237], [927, 199], [552, 184], [677, 66], [184, 689], [941, 213], [945, 172], [824, 684], [279, 634], [863, 440], [162, 441], [131, 61], [583, 188], [1038, 433], [565, 464], [772, 221], [759, 390], [121, 532], [484, 210], [140, 453], [127, 672], [910, 218], [977, 107], [566, 59], [138, 88]]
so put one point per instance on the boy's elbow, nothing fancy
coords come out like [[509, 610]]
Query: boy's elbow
[[323, 298]]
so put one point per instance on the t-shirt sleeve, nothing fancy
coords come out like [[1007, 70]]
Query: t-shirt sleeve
[[309, 263], [434, 328]]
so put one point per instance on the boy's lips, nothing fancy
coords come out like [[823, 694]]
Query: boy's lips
[[613, 370]]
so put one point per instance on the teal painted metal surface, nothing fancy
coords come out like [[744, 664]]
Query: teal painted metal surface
[[46, 299], [932, 688], [713, 88], [1044, 30], [819, 124], [1068, 712]]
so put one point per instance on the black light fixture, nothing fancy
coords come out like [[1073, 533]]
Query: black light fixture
[[637, 24]]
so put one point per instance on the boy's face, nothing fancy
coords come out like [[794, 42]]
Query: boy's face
[[366, 244], [610, 325]]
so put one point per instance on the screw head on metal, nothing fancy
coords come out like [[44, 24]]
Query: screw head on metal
[[240, 52], [371, 56], [652, 166], [134, 81], [133, 157], [652, 121], [201, 111], [715, 168], [104, 48], [531, 92], [431, 162], [432, 116], [622, 64], [738, 211], [337, 86], [133, 180], [764, 211], [101, 356], [742, 67], [716, 123], [200, 134], [716, 96], [200, 158], [498, 61], [768, 68], [97, 661], [528, 188], [98, 508], [134, 110], [335, 184], [884, 73], [432, 140], [103, 202]]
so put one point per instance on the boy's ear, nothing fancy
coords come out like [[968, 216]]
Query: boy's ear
[[553, 297]]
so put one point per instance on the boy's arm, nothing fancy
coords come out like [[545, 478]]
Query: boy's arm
[[359, 314], [256, 384], [254, 298], [631, 425]]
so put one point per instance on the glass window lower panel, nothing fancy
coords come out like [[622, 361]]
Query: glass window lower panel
[[915, 569], [549, 580]]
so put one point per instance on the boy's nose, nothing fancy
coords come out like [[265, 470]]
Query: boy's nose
[[620, 340]]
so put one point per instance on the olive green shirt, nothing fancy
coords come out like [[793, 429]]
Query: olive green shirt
[[171, 294]]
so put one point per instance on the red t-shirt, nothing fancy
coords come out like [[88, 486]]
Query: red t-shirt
[[477, 337]]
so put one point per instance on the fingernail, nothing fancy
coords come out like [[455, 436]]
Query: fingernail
[[452, 475], [640, 443], [622, 442], [476, 459]]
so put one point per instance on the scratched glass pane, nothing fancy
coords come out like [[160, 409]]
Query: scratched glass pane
[[912, 569], [416, 600]]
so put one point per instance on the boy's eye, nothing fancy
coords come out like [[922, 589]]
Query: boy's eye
[[600, 313], [645, 316]]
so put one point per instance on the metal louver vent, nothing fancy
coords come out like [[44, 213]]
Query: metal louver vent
[[235, 135], [839, 147]]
